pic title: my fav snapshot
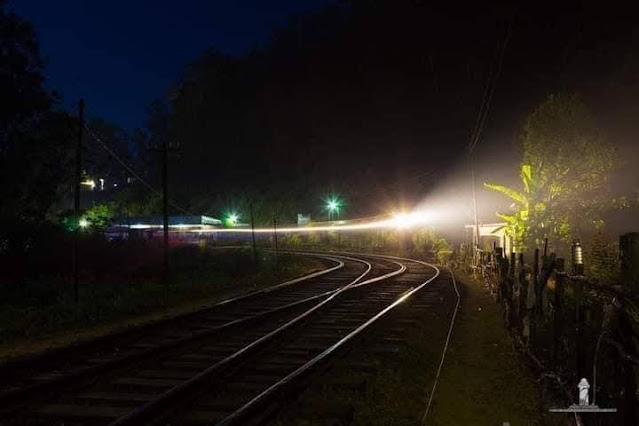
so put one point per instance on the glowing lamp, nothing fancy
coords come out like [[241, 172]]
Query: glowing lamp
[[232, 219], [577, 258], [83, 223], [89, 182]]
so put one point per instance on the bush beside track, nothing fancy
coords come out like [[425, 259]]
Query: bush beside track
[[38, 313]]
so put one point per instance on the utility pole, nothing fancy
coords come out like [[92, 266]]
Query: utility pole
[[275, 236], [164, 148], [76, 199], [253, 235], [476, 233], [165, 206], [339, 234]]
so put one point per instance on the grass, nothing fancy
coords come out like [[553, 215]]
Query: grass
[[483, 381], [40, 313]]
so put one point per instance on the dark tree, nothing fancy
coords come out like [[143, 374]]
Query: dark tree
[[34, 136]]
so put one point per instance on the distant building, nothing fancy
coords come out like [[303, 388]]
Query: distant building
[[303, 219], [489, 233], [152, 226]]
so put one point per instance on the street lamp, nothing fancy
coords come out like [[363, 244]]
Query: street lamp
[[333, 205], [232, 219]]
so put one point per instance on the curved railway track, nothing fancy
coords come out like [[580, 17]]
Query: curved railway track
[[228, 364], [39, 372], [70, 357]]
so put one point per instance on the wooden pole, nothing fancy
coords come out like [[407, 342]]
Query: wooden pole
[[253, 235], [579, 358], [535, 314], [165, 209], [510, 291], [476, 220], [557, 321], [523, 293], [545, 247], [76, 202], [559, 284], [629, 255], [275, 237]]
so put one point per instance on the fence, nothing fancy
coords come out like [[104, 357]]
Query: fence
[[570, 327]]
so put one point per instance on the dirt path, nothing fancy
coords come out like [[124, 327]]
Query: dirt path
[[483, 381]]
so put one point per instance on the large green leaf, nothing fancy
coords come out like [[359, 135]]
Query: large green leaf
[[511, 219], [526, 178], [512, 193], [499, 229]]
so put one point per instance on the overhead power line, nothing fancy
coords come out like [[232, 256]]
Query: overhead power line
[[489, 89], [130, 169]]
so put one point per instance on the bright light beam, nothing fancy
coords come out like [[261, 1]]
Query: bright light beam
[[398, 221], [407, 220]]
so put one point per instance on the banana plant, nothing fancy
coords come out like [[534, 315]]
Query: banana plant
[[518, 223]]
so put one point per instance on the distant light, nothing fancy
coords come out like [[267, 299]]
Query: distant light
[[140, 226], [333, 204], [101, 184], [89, 182], [232, 219], [115, 184], [406, 220], [83, 222]]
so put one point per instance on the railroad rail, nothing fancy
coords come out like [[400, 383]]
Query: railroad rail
[[39, 373], [54, 360], [233, 361]]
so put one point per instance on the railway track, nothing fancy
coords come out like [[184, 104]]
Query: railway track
[[227, 365], [38, 372]]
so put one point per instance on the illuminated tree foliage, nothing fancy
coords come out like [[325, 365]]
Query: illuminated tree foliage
[[425, 241], [99, 216], [565, 176], [528, 207]]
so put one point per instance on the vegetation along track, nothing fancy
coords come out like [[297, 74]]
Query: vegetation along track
[[37, 375], [227, 373]]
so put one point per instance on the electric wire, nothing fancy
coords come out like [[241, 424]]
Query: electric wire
[[491, 83], [130, 169]]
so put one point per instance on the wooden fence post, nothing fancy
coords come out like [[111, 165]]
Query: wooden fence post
[[522, 309], [559, 284], [625, 337], [579, 288], [629, 254], [510, 291], [545, 247], [535, 311], [503, 277]]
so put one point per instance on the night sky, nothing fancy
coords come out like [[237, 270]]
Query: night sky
[[120, 55]]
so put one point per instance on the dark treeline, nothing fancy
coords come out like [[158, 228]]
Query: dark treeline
[[373, 100], [344, 100], [35, 133]]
